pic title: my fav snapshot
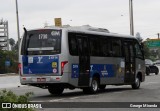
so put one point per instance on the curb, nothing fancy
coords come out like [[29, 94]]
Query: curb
[[9, 74]]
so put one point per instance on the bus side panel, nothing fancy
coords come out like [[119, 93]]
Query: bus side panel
[[140, 67], [74, 70], [65, 56], [111, 69]]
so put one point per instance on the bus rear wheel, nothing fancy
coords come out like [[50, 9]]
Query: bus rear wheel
[[137, 83], [55, 91], [93, 88]]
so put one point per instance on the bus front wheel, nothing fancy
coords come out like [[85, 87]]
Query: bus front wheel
[[137, 83], [55, 91]]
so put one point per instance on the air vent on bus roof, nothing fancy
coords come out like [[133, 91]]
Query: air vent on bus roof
[[88, 27], [99, 30]]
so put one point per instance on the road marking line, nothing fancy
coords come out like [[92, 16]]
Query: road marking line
[[74, 98], [151, 83], [37, 101], [55, 100], [118, 92]]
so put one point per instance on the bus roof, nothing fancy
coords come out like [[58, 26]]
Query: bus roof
[[86, 29]]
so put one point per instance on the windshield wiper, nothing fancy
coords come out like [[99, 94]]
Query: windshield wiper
[[25, 38]]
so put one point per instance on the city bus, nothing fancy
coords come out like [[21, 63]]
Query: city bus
[[82, 57]]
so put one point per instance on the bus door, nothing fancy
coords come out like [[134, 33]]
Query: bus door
[[129, 61], [84, 61]]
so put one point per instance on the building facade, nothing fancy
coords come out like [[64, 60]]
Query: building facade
[[4, 35]]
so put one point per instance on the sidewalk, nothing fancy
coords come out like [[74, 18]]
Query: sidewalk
[[9, 80]]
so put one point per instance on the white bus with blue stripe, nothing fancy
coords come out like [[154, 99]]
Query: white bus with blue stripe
[[79, 57]]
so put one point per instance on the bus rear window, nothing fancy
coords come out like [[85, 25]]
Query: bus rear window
[[41, 42]]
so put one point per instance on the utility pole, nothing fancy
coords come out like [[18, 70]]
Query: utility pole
[[18, 33], [131, 17], [158, 35]]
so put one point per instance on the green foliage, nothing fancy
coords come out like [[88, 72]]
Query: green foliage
[[15, 48], [152, 58], [147, 52], [10, 97], [12, 56], [151, 53], [139, 38]]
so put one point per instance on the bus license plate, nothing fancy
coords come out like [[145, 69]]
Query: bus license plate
[[41, 79]]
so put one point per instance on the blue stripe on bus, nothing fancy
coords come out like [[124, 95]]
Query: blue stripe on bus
[[40, 64], [75, 71], [105, 70]]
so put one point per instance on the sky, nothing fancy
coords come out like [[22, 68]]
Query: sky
[[110, 14]]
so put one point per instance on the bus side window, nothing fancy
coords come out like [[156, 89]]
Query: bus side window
[[105, 47], [94, 47], [73, 45], [138, 51], [116, 48]]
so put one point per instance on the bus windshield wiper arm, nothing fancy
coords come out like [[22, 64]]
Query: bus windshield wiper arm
[[25, 37]]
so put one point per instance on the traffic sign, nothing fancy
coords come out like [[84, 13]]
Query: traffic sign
[[7, 63], [153, 43]]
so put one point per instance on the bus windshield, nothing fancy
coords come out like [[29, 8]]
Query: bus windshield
[[41, 42]]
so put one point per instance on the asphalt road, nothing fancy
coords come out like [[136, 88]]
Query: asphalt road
[[148, 92]]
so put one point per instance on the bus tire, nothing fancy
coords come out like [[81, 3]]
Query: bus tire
[[137, 83], [93, 88], [55, 91], [102, 87], [94, 85]]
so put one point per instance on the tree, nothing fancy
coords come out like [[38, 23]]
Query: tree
[[139, 38], [12, 57], [12, 43], [16, 46], [146, 50]]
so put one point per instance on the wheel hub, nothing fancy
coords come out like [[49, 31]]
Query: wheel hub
[[95, 85]]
